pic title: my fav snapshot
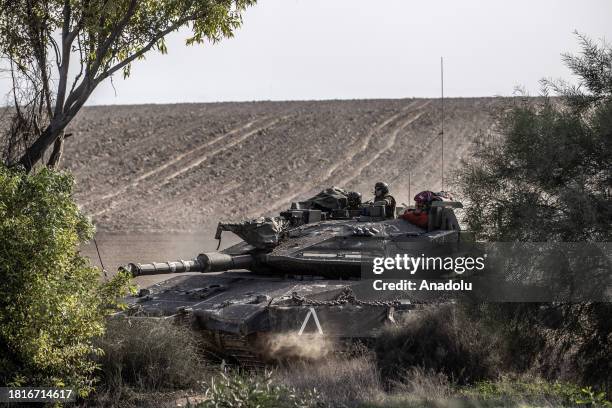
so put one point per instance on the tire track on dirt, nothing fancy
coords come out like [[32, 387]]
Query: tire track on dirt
[[202, 159], [169, 163], [366, 141], [458, 144], [414, 112], [191, 163], [390, 143], [138, 139], [230, 183]]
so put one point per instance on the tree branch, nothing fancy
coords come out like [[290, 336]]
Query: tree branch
[[63, 71], [143, 50], [14, 88], [117, 30], [82, 65], [56, 50], [92, 68]]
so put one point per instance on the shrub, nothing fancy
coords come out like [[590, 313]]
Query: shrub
[[548, 177], [440, 340], [567, 342], [231, 389], [149, 355], [52, 301], [530, 391]]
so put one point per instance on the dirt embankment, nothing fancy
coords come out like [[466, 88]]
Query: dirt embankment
[[183, 167]]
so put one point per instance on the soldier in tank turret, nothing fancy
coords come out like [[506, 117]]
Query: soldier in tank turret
[[353, 200], [381, 193]]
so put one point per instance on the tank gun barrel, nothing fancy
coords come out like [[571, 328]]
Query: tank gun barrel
[[206, 262]]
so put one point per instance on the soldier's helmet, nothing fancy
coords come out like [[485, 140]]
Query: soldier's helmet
[[353, 199], [382, 187]]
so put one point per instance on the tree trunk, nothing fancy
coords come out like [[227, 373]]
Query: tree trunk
[[55, 131], [34, 154], [56, 154]]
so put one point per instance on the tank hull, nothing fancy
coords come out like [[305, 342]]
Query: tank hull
[[236, 311]]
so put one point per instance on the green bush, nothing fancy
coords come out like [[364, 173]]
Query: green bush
[[231, 389], [569, 342], [52, 301], [535, 391]]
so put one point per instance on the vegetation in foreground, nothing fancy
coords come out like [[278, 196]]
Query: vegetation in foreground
[[158, 364], [53, 303]]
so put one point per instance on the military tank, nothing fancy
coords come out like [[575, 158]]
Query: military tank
[[298, 273]]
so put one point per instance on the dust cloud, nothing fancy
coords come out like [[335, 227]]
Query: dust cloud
[[308, 346]]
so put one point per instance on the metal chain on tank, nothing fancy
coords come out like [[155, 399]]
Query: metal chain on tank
[[346, 297]]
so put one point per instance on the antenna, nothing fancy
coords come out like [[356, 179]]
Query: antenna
[[409, 194], [442, 130], [100, 258]]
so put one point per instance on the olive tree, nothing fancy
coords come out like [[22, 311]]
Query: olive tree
[[59, 51]]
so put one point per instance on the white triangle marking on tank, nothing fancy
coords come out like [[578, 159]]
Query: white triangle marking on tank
[[313, 313]]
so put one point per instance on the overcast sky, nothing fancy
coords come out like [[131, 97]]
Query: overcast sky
[[345, 49]]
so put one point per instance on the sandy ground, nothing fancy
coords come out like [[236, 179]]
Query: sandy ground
[[156, 179]]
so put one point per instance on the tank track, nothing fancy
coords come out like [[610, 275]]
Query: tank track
[[236, 349]]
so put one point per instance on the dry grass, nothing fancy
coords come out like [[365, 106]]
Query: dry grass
[[441, 340], [424, 385], [339, 380], [354, 382], [145, 359]]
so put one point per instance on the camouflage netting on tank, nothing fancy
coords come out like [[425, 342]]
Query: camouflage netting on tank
[[262, 233], [333, 198]]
